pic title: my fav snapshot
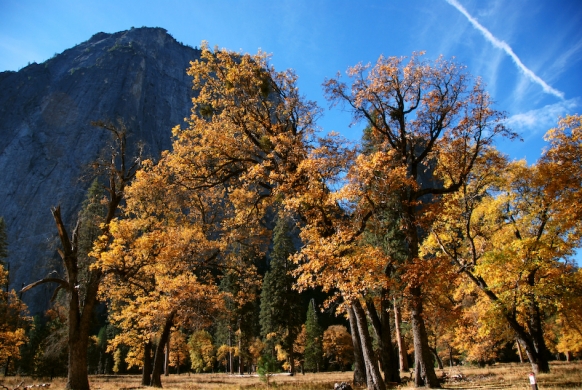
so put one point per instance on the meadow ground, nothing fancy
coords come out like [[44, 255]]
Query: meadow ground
[[501, 376]]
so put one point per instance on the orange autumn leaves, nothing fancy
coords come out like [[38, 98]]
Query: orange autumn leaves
[[251, 146]]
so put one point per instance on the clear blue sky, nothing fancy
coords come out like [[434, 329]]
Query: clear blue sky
[[529, 52]]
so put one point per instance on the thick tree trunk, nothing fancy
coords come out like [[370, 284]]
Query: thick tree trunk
[[292, 361], [537, 332], [79, 315], [359, 365], [381, 326], [424, 369], [159, 357], [146, 374], [78, 376], [374, 378], [402, 358]]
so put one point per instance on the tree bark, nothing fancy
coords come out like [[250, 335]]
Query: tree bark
[[159, 357], [167, 358], [381, 326], [374, 379], [519, 352], [359, 365], [79, 316], [424, 369], [537, 332], [402, 358], [146, 374]]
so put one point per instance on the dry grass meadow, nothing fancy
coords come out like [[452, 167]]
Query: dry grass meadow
[[503, 376]]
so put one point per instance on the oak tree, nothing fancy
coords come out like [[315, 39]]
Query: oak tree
[[119, 169], [433, 120]]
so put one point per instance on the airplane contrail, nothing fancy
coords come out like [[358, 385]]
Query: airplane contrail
[[507, 49]]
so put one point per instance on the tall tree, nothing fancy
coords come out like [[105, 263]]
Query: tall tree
[[313, 340], [119, 170], [510, 231], [280, 315], [433, 121]]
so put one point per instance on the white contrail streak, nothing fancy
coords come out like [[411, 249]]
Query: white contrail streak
[[506, 48]]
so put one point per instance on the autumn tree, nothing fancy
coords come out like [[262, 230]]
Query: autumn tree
[[433, 121], [569, 318], [118, 168], [337, 345], [201, 349], [155, 267], [179, 353], [13, 321], [515, 235]]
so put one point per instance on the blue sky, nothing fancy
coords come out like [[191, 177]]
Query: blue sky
[[529, 52]]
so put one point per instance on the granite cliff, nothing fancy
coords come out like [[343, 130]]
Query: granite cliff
[[137, 76]]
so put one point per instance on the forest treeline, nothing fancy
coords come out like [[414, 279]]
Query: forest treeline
[[430, 245]]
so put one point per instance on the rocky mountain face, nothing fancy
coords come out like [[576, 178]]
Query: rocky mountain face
[[47, 140]]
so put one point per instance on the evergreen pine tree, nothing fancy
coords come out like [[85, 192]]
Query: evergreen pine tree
[[92, 215], [313, 340], [280, 315]]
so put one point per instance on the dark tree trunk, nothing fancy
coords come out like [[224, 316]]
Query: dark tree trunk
[[374, 379], [77, 376], [424, 369], [80, 313], [146, 374], [292, 361], [402, 358], [160, 356], [537, 332], [381, 325], [359, 365]]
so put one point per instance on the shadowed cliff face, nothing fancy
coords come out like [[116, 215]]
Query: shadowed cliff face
[[46, 138]]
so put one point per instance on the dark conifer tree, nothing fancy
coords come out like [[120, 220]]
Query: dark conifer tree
[[313, 340], [280, 315]]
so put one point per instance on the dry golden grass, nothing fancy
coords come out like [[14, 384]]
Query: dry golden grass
[[502, 376]]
